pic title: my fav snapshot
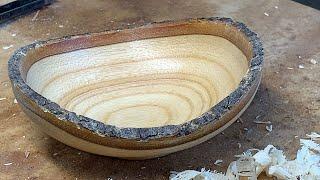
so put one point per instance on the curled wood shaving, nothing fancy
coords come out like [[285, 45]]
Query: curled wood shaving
[[270, 160]]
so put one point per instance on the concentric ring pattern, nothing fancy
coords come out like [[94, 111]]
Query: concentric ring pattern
[[144, 83]]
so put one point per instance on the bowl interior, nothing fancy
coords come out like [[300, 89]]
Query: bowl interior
[[142, 83]]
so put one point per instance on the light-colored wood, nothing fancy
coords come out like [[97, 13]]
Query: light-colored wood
[[143, 83]]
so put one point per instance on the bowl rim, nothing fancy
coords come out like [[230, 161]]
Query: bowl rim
[[105, 130]]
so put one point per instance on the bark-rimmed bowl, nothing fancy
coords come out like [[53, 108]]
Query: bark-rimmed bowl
[[137, 143]]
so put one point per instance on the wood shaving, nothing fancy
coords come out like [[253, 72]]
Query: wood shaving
[[314, 136], [35, 16], [262, 122], [7, 47], [269, 128], [203, 174], [270, 160], [310, 144], [313, 61], [244, 167], [218, 162], [289, 68], [8, 164], [1, 99], [240, 120], [26, 154]]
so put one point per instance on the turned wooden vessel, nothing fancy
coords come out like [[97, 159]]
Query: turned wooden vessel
[[141, 92]]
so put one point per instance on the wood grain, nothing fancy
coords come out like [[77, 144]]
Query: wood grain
[[143, 83]]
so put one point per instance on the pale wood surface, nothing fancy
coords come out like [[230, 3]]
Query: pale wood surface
[[289, 98], [144, 83]]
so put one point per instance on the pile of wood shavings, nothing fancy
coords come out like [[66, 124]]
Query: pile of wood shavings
[[272, 161]]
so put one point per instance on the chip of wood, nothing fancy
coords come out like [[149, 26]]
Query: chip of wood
[[26, 154], [262, 122], [269, 128], [218, 162], [7, 47], [313, 61]]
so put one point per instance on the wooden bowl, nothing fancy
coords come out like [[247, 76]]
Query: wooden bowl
[[141, 92]]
